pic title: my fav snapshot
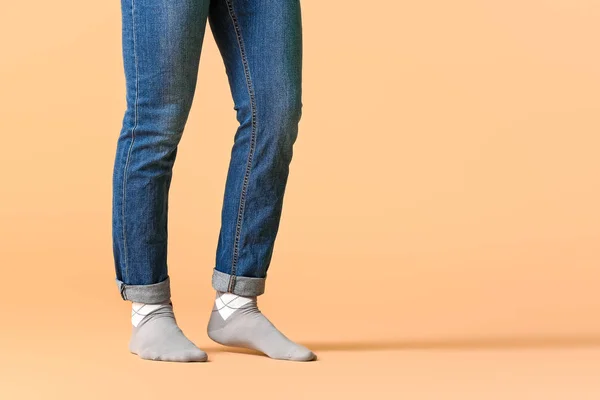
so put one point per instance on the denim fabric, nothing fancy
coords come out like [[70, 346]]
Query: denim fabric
[[260, 42]]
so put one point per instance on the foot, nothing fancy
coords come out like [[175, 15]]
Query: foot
[[236, 321], [156, 336]]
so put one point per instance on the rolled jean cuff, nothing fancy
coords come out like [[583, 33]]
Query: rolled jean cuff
[[240, 285], [150, 294]]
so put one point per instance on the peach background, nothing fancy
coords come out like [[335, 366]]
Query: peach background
[[440, 232]]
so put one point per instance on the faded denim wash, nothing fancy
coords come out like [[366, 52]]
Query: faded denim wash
[[260, 42]]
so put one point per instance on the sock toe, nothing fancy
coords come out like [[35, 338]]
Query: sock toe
[[186, 356], [302, 354], [196, 355], [177, 356]]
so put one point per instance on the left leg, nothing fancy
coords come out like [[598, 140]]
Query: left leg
[[260, 42], [261, 45]]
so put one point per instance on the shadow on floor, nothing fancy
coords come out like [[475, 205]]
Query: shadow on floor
[[483, 343]]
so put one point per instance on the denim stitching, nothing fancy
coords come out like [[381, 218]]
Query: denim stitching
[[123, 292], [252, 143], [132, 137]]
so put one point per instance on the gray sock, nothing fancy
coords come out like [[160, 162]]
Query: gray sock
[[157, 337], [236, 321]]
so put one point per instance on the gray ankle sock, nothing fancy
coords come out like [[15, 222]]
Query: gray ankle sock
[[236, 321], [157, 337]]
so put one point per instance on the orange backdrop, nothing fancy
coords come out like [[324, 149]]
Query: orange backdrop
[[444, 186]]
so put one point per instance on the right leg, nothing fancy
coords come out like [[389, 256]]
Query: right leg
[[162, 41]]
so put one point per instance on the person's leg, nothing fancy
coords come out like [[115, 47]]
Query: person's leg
[[162, 42], [261, 45]]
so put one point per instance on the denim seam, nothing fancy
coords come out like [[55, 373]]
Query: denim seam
[[250, 89], [123, 293], [132, 138]]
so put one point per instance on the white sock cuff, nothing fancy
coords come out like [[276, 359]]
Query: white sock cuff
[[140, 310], [227, 303]]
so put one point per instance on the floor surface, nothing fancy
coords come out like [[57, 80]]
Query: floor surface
[[89, 360]]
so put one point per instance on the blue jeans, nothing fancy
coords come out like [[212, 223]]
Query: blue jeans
[[260, 42]]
